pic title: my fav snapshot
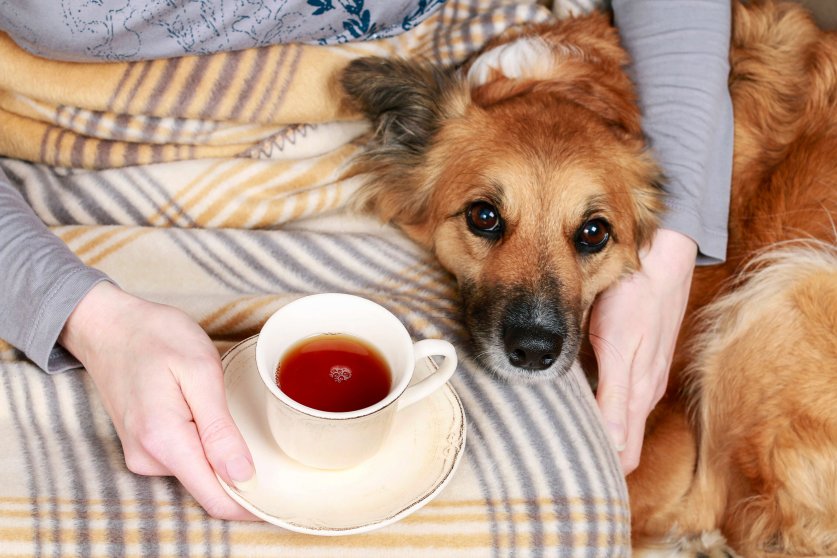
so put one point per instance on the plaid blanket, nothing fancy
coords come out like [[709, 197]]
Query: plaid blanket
[[214, 184]]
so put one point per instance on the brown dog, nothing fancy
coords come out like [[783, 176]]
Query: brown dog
[[533, 186]]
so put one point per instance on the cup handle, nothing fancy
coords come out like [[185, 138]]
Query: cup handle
[[426, 348]]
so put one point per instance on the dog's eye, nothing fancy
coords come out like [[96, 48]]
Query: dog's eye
[[592, 236], [484, 219]]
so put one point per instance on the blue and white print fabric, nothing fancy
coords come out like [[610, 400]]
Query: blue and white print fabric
[[118, 30]]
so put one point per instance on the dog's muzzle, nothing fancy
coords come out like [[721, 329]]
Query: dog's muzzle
[[521, 332], [533, 333]]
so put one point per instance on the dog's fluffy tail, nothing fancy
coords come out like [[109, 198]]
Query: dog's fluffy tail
[[764, 395]]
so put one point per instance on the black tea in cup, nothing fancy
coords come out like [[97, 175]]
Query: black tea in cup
[[334, 372]]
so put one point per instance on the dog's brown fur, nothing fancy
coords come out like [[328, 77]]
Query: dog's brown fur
[[757, 457], [440, 146]]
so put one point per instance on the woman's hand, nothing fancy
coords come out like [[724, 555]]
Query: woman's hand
[[161, 381], [633, 330]]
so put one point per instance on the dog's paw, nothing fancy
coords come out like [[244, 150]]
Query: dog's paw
[[706, 545]]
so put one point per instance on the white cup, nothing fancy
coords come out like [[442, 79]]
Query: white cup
[[331, 440]]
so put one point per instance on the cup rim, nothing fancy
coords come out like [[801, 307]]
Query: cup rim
[[395, 391]]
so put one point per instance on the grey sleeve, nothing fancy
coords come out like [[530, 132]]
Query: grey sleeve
[[41, 283], [680, 52]]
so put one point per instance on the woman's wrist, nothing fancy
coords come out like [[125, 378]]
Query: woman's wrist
[[670, 251], [91, 318]]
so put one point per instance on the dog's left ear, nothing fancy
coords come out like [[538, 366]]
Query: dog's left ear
[[406, 103], [647, 195], [579, 60]]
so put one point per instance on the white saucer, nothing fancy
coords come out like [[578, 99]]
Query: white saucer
[[417, 461]]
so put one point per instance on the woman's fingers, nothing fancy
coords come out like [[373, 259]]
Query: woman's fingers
[[613, 393], [203, 389], [184, 457]]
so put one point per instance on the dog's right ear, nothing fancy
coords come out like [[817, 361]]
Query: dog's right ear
[[402, 99], [406, 103]]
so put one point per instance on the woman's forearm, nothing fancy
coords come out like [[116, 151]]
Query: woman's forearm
[[41, 282], [680, 52]]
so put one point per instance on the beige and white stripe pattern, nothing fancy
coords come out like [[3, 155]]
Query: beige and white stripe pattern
[[229, 237], [538, 477]]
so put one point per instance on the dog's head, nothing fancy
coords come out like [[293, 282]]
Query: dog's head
[[526, 173]]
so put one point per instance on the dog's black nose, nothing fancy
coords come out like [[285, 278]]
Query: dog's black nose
[[532, 348]]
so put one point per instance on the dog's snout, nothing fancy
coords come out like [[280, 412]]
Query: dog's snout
[[533, 331], [532, 348], [523, 331]]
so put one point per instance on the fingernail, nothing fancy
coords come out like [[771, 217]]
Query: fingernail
[[617, 435], [241, 472]]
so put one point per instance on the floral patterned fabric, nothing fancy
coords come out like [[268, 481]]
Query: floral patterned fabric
[[83, 30]]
